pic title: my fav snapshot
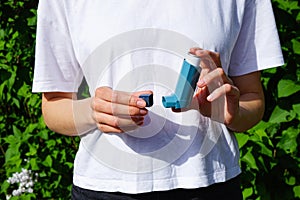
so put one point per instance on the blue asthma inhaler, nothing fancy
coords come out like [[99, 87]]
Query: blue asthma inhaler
[[186, 84]]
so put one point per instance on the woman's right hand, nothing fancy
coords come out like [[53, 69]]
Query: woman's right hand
[[117, 111]]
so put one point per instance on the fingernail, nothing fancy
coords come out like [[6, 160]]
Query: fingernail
[[141, 103], [143, 112], [209, 97]]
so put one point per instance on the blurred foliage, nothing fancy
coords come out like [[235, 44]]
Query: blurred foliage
[[25, 141], [270, 157], [270, 153]]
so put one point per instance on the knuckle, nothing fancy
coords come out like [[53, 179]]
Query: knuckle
[[206, 52], [101, 127], [93, 103], [114, 108], [97, 106], [133, 111], [116, 122], [115, 96], [99, 90], [228, 87], [102, 92], [132, 99], [96, 117], [220, 71]]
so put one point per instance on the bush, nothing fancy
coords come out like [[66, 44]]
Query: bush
[[25, 141], [32, 153], [270, 156]]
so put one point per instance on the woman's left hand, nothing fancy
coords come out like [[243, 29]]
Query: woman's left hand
[[218, 97]]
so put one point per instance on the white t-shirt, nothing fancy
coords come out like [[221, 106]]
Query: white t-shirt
[[138, 45]]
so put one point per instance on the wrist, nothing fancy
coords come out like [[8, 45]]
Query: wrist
[[235, 122], [83, 119]]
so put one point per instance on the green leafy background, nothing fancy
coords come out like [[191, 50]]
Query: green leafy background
[[270, 153]]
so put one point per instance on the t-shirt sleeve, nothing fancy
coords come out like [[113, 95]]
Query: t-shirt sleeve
[[56, 66], [257, 46]]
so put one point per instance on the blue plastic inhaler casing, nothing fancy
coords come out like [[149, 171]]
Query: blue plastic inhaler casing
[[186, 83]]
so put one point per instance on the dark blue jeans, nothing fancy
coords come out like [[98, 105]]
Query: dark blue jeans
[[219, 191]]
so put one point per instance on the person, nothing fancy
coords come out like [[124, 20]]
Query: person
[[127, 48]]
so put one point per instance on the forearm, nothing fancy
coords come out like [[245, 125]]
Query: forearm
[[68, 116], [250, 112]]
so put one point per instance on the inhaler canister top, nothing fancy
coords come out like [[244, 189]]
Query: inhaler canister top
[[193, 60]]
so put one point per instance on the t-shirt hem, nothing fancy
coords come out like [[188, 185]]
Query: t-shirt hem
[[266, 64], [154, 185], [38, 87]]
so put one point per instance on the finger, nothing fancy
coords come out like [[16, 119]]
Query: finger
[[201, 94], [194, 49], [138, 120], [225, 89], [136, 101], [206, 64], [209, 59], [216, 76], [176, 110], [109, 95], [209, 55], [131, 99], [117, 122], [198, 100], [120, 97], [104, 93], [201, 52], [100, 105], [204, 105], [109, 129]]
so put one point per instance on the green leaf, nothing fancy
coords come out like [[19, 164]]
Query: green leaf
[[13, 149], [262, 162], [57, 182], [12, 140], [4, 186], [288, 141], [69, 164], [296, 108], [12, 155], [242, 139], [290, 180], [43, 134], [33, 164], [48, 161], [296, 190], [16, 102], [30, 128], [24, 91], [296, 46], [265, 150], [287, 87], [31, 21], [279, 115], [32, 150], [51, 143], [2, 86], [17, 132], [249, 159]]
